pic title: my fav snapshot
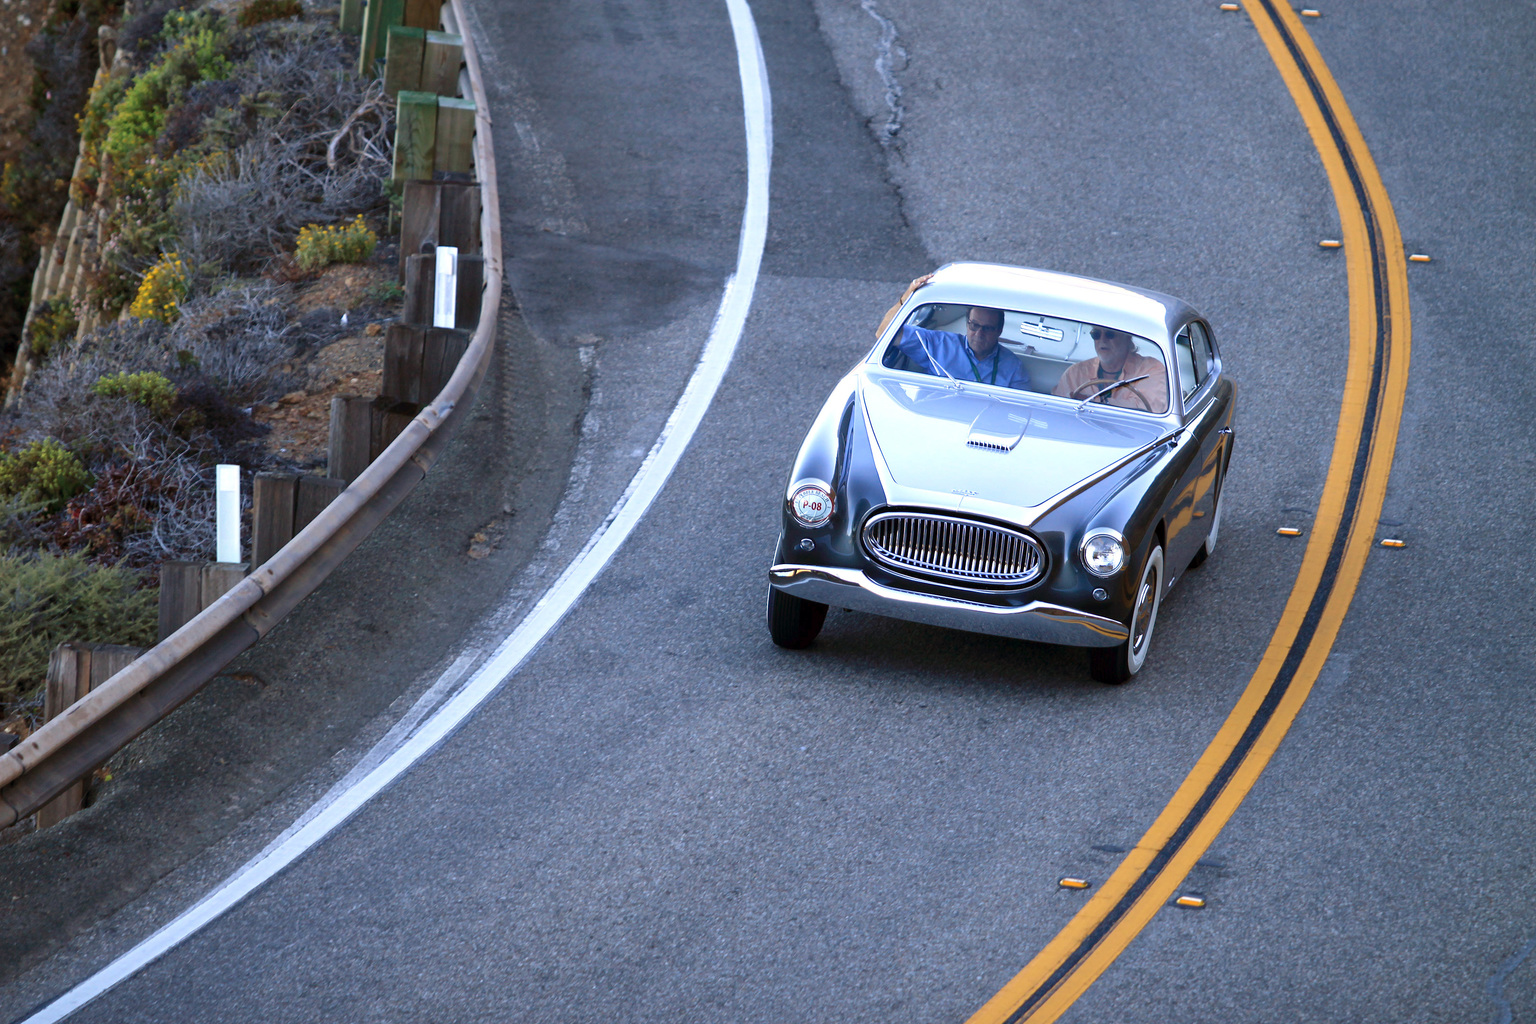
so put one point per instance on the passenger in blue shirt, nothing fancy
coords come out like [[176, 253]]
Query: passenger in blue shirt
[[976, 355]]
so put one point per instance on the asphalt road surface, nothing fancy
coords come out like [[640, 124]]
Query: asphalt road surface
[[663, 817]]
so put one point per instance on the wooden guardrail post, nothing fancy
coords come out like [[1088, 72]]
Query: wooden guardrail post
[[439, 213], [441, 351], [378, 16], [186, 588], [424, 13], [74, 670], [389, 418], [432, 134], [315, 493], [350, 447], [420, 288], [419, 360], [441, 60], [421, 60], [403, 344], [273, 497], [403, 59], [282, 504], [454, 144], [351, 17], [219, 578], [415, 136], [421, 214], [181, 594], [361, 428], [420, 293], [458, 219]]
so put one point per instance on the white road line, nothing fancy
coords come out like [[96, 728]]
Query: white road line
[[558, 600]]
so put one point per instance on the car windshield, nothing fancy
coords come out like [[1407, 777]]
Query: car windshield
[[1030, 352]]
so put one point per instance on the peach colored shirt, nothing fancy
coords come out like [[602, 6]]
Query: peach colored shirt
[[1155, 387]]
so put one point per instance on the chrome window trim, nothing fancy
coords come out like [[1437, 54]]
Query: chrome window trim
[[1185, 399], [1198, 398]]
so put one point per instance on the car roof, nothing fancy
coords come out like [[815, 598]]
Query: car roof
[[1150, 314]]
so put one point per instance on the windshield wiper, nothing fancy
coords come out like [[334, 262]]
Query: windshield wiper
[[1104, 391], [934, 362]]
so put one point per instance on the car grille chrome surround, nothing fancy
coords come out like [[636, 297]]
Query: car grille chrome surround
[[953, 549]]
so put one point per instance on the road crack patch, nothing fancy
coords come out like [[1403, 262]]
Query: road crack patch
[[1495, 986], [890, 57]]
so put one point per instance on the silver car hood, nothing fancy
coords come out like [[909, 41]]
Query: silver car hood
[[990, 451]]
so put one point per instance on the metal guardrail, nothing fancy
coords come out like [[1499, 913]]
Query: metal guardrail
[[111, 716]]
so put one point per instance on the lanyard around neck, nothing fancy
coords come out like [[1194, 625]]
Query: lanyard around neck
[[976, 368]]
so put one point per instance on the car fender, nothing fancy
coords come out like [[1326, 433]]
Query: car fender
[[821, 451], [836, 452], [1133, 501]]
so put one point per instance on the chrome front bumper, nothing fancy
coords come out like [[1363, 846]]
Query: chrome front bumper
[[1037, 620]]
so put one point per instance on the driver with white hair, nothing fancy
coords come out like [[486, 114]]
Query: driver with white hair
[[1146, 378]]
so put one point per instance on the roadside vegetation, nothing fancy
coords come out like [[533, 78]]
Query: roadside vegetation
[[35, 171], [227, 157]]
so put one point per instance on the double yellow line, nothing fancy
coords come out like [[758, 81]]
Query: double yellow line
[[1342, 535]]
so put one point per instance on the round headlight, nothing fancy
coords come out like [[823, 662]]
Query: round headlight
[[811, 504], [1103, 552]]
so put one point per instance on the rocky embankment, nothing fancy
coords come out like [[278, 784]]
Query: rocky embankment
[[193, 231]]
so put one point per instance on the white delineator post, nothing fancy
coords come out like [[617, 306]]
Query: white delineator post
[[227, 511], [445, 292]]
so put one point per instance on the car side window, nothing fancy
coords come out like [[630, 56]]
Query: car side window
[[1189, 381], [1205, 360]]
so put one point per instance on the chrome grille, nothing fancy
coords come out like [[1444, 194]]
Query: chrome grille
[[953, 549]]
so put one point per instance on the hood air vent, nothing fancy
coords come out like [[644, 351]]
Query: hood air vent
[[999, 427]]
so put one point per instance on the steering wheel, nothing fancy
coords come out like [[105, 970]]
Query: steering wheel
[[1106, 386]]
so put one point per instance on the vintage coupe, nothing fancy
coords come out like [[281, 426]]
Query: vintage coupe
[[1024, 453]]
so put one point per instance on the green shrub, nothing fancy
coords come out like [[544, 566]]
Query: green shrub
[[258, 11], [53, 322], [149, 389], [102, 100], [47, 600], [93, 121], [139, 117], [43, 472], [386, 293], [337, 243], [140, 224], [180, 24]]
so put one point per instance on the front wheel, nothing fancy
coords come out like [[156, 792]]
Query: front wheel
[[1118, 664], [793, 622]]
